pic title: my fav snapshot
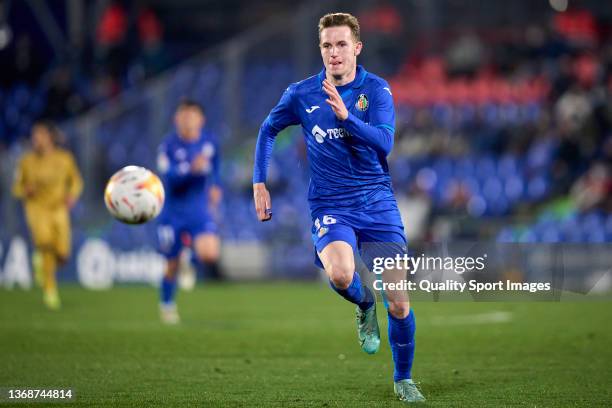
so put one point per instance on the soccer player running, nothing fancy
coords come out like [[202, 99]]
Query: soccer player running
[[49, 183], [347, 117], [188, 162]]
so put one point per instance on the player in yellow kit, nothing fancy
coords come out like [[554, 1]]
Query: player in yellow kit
[[49, 183]]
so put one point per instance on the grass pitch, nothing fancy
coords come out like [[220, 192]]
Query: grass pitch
[[294, 345]]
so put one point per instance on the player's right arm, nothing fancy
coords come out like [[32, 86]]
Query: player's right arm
[[176, 172], [22, 188], [282, 116]]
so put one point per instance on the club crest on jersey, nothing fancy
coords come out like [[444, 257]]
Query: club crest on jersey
[[362, 102]]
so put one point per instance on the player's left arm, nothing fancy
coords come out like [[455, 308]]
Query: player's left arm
[[379, 133], [215, 192], [75, 182]]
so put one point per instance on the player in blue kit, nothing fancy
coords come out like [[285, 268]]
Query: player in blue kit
[[188, 163], [348, 119]]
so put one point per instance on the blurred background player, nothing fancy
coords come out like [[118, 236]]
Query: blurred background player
[[49, 183], [188, 162]]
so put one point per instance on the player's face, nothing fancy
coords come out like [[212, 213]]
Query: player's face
[[189, 122], [339, 51], [42, 140]]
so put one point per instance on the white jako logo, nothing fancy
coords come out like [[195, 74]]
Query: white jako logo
[[318, 133]]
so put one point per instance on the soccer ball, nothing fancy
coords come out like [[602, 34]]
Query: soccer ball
[[134, 195]]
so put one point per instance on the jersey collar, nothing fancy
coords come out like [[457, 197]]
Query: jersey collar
[[188, 142], [360, 76]]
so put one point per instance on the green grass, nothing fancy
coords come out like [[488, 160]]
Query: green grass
[[294, 345]]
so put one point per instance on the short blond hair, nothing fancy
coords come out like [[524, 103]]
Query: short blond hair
[[338, 20]]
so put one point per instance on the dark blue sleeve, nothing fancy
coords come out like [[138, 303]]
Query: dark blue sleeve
[[216, 167], [280, 117], [379, 133]]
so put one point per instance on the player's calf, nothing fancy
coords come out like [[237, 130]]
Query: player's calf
[[167, 307], [402, 327]]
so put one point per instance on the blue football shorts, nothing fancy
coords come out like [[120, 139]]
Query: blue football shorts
[[173, 228], [375, 231]]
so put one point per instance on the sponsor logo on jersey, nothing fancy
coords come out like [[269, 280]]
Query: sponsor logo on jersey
[[362, 102], [312, 108], [334, 133], [318, 133]]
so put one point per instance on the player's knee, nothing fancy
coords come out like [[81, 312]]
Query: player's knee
[[208, 256], [207, 249], [63, 255], [399, 310], [341, 274], [44, 243], [171, 269]]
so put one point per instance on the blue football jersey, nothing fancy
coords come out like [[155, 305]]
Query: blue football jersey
[[348, 165], [186, 191]]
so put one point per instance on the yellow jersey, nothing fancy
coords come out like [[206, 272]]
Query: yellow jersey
[[51, 179]]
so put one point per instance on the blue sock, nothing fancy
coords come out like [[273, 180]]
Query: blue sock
[[401, 339], [356, 293], [168, 290]]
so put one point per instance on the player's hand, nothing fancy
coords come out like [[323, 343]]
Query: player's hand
[[335, 100], [70, 202], [214, 195], [263, 203], [29, 190], [199, 164]]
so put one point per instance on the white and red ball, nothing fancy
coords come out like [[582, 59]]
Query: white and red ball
[[134, 195]]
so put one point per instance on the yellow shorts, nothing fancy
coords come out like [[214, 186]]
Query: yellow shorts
[[50, 229]]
